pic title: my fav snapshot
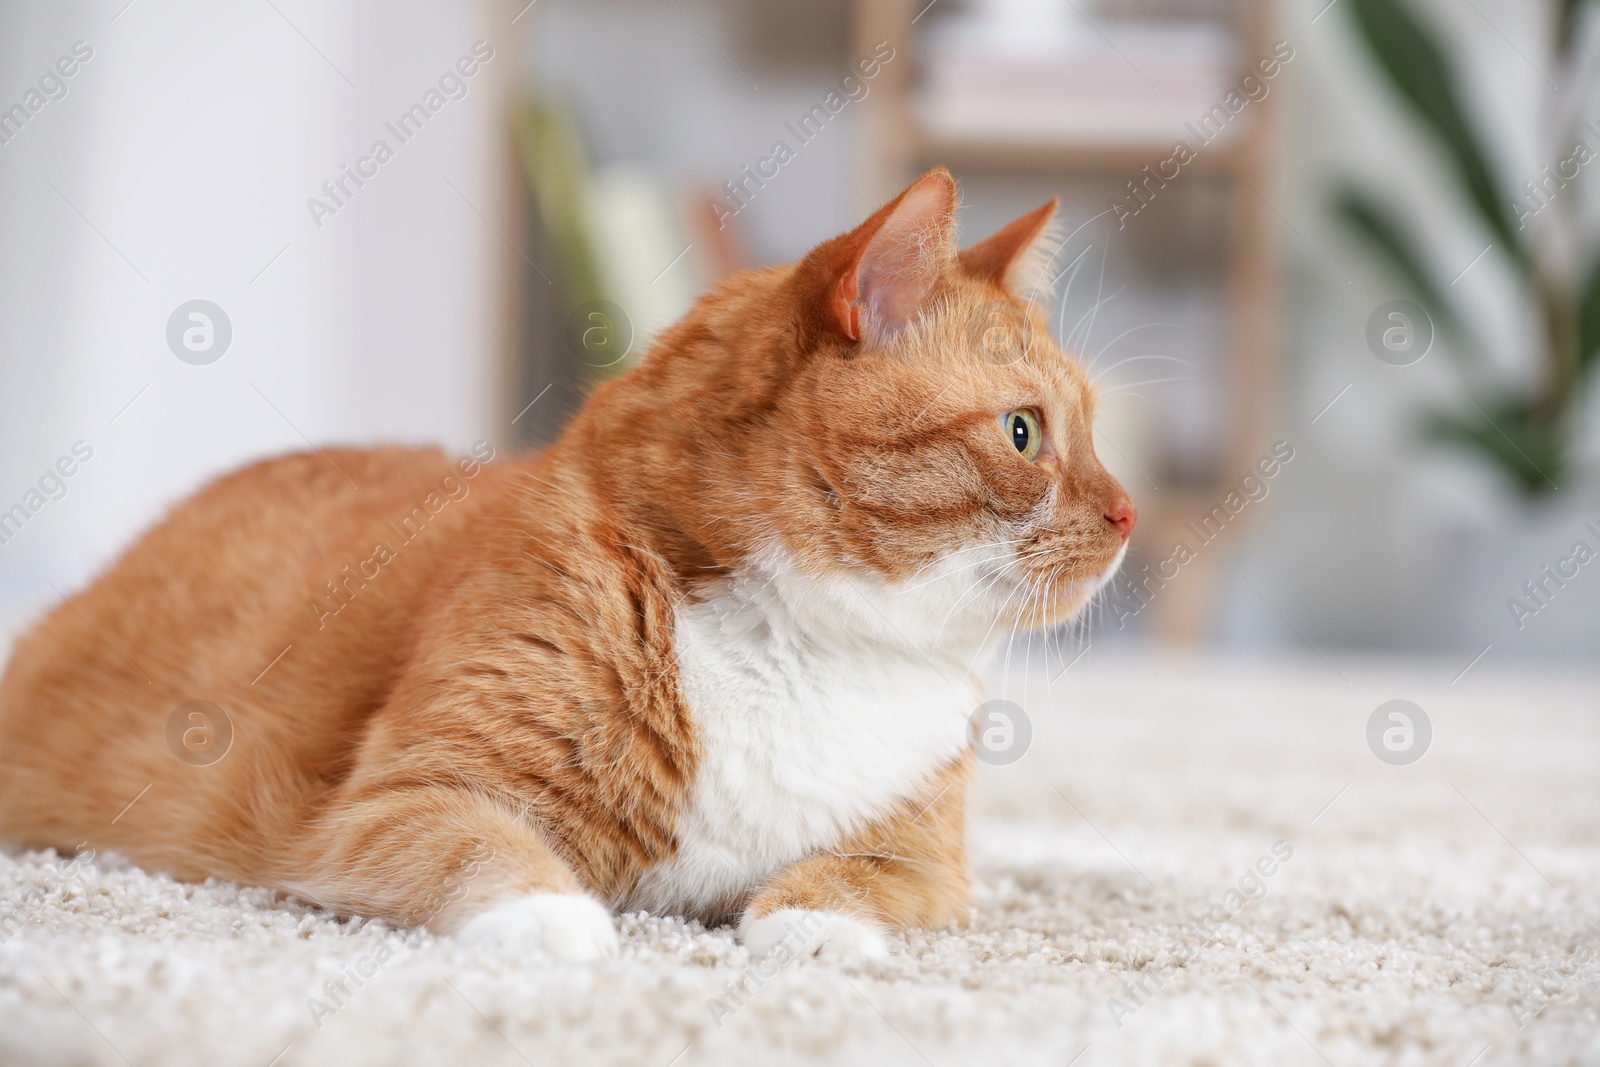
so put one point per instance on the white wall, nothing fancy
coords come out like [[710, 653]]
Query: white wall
[[190, 143]]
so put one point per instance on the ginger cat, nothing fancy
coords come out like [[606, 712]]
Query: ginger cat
[[708, 654]]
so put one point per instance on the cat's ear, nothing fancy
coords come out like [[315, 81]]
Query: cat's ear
[[1016, 257], [879, 276]]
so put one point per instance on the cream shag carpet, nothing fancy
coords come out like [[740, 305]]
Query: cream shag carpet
[[1446, 912]]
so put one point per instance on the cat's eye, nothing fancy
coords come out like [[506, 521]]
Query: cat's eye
[[1022, 430]]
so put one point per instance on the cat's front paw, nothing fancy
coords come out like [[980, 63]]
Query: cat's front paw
[[828, 935], [567, 927]]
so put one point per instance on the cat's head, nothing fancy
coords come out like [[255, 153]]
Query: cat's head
[[890, 419]]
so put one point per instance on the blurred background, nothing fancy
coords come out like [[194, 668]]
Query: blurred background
[[1350, 242]]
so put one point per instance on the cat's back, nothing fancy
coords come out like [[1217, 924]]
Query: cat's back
[[223, 560], [260, 571]]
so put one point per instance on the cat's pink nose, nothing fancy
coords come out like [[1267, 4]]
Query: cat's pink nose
[[1122, 514]]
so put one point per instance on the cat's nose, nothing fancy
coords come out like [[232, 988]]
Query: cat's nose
[[1122, 514]]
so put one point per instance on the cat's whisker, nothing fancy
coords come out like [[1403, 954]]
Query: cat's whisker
[[946, 576], [1100, 376], [982, 645], [1018, 625], [1080, 628], [1088, 317], [1052, 636], [1147, 381], [1063, 337], [1064, 242], [977, 592], [1041, 590], [1077, 262], [1152, 401], [1066, 296], [1061, 246], [1029, 602], [1094, 359], [964, 567], [1094, 312]]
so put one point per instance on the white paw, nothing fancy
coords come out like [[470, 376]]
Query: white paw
[[803, 932], [567, 927]]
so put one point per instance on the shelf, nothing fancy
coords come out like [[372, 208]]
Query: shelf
[[1108, 111], [967, 140]]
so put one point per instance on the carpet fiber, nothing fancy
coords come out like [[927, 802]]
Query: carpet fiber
[[1446, 912]]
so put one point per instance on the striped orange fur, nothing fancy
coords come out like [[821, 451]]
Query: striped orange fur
[[503, 696]]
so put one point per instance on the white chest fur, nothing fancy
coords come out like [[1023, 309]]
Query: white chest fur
[[813, 713]]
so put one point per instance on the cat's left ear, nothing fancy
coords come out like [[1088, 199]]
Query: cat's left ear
[[879, 276], [1017, 257]]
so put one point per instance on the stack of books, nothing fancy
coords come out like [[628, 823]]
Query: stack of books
[[1040, 74]]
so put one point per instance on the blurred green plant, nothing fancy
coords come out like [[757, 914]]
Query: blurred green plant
[[1525, 431]]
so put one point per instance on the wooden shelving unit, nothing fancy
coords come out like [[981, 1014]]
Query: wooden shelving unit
[[895, 147]]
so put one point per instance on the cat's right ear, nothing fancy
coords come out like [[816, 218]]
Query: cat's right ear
[[1018, 256], [878, 277]]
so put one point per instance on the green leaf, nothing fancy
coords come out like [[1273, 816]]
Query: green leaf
[[1589, 322], [1375, 223], [1567, 22], [557, 172], [1528, 449], [1422, 73]]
